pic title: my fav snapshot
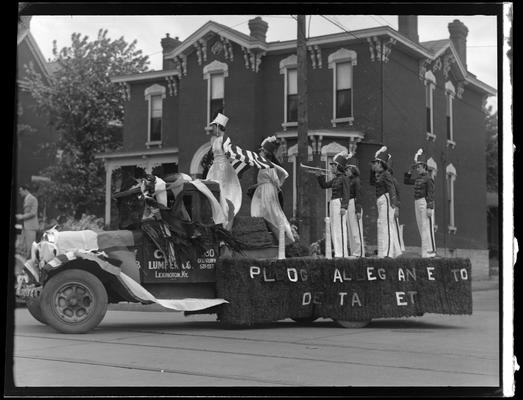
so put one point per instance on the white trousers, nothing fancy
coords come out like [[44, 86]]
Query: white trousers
[[425, 228], [338, 229], [355, 230], [388, 240]]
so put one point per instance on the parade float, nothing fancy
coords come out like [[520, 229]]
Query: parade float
[[242, 275]]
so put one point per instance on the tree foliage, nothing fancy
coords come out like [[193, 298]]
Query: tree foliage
[[491, 122], [85, 109]]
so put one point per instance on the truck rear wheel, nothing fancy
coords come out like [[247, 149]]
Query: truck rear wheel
[[73, 301], [33, 306], [352, 324]]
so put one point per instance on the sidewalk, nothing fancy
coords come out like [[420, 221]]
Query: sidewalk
[[491, 283]]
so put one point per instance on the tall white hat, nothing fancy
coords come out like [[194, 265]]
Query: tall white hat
[[220, 120]]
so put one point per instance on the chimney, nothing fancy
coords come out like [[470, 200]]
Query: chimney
[[169, 44], [458, 35], [258, 28], [408, 26]]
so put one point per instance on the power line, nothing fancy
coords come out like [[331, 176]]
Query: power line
[[437, 86]]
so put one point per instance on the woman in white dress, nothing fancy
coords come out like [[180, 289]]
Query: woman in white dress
[[265, 200], [222, 172]]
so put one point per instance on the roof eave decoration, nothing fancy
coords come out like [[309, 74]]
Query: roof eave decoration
[[197, 39]]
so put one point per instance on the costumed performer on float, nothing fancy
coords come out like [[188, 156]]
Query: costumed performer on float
[[387, 205], [423, 203], [338, 203], [265, 200], [355, 210], [222, 172]]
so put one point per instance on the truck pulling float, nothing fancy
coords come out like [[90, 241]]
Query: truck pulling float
[[72, 276]]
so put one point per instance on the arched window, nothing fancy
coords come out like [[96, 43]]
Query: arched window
[[342, 62], [450, 92], [289, 70], [451, 178], [196, 169], [430, 84], [154, 96], [215, 74]]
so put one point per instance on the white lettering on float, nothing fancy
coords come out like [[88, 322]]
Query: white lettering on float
[[401, 298]]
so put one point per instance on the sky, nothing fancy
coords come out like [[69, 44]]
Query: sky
[[149, 30]]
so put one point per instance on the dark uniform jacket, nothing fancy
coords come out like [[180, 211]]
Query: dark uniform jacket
[[385, 184], [355, 192], [423, 187], [340, 186]]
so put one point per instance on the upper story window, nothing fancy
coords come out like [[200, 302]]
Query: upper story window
[[154, 96], [451, 178], [430, 84], [216, 95], [342, 63], [215, 74], [450, 92], [288, 68]]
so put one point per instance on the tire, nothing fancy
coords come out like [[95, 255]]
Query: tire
[[73, 301], [352, 324], [304, 320], [33, 306]]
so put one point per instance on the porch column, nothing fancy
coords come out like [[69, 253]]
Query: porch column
[[108, 184]]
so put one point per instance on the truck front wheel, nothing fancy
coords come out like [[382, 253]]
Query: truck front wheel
[[73, 301]]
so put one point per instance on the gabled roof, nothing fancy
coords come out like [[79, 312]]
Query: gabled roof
[[37, 53], [429, 50], [435, 46], [231, 34]]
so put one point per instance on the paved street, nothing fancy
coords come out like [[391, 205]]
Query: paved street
[[133, 348]]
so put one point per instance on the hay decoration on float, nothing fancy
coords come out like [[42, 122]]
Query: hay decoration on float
[[260, 291]]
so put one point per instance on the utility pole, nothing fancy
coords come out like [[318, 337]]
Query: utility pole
[[303, 213]]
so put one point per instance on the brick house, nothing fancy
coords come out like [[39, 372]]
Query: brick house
[[366, 88]]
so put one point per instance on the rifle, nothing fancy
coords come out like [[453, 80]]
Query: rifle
[[313, 170]]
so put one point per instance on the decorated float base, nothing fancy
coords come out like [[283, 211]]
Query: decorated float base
[[356, 290]]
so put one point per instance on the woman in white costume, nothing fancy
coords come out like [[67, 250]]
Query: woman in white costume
[[265, 200], [222, 171]]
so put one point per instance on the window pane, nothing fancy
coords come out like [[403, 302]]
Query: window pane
[[156, 106], [343, 76], [427, 95], [292, 108], [448, 104], [216, 107], [156, 129], [343, 103], [292, 81], [449, 136], [217, 82]]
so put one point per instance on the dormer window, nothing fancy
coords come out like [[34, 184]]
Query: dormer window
[[154, 96], [342, 63], [430, 84]]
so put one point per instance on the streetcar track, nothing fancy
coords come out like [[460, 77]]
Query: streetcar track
[[169, 371], [302, 342], [328, 361]]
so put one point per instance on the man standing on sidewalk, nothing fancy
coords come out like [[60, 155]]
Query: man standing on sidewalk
[[29, 218]]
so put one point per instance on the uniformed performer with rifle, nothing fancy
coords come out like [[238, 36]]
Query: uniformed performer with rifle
[[387, 204], [423, 203], [339, 202]]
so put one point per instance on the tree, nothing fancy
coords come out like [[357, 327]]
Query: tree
[[85, 109], [491, 122]]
